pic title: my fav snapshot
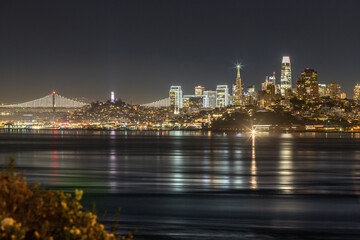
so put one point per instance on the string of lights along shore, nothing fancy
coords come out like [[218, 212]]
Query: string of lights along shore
[[307, 88]]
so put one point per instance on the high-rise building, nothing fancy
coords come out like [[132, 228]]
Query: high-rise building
[[175, 95], [323, 90], [238, 89], [199, 90], [112, 97], [195, 101], [272, 79], [250, 95], [264, 98], [268, 80], [222, 94], [211, 97], [232, 96], [264, 84], [307, 85], [357, 93], [285, 81], [334, 90], [277, 89]]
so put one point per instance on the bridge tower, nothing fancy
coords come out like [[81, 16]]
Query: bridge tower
[[53, 99]]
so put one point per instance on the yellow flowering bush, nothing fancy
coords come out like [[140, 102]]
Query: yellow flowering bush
[[30, 212]]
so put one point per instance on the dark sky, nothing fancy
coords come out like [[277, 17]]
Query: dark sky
[[139, 48]]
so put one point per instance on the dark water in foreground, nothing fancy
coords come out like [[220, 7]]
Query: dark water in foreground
[[201, 185]]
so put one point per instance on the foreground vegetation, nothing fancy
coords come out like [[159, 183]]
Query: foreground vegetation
[[30, 212]]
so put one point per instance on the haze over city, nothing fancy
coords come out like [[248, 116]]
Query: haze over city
[[140, 48]]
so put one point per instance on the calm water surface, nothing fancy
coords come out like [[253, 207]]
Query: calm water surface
[[203, 185]]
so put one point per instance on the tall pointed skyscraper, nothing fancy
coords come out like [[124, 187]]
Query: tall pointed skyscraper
[[238, 89], [285, 75]]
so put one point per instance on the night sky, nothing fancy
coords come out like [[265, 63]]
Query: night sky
[[140, 48]]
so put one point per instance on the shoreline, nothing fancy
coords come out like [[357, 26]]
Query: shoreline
[[183, 130]]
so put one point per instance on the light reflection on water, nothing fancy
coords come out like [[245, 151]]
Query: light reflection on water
[[201, 178]]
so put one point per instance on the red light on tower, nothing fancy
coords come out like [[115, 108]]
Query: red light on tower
[[54, 92]]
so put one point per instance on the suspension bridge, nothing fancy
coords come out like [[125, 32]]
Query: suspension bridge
[[52, 100]]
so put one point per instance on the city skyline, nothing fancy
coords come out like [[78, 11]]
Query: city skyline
[[126, 48]]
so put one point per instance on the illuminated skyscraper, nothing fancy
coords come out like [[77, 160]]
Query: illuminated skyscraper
[[272, 79], [212, 98], [285, 75], [334, 90], [199, 90], [112, 97], [307, 85], [175, 96], [357, 93], [323, 90], [222, 96], [195, 101], [264, 84], [238, 89]]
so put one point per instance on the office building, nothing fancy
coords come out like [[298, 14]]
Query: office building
[[211, 98], [195, 101], [199, 90], [323, 90], [175, 95], [112, 97], [285, 81], [222, 95], [357, 93], [334, 90], [307, 85]]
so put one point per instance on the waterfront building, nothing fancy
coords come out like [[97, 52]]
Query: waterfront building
[[211, 95], [285, 81], [199, 90], [307, 85], [175, 95], [238, 89], [222, 95], [357, 93]]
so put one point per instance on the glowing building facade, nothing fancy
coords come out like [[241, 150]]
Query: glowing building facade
[[222, 96], [211, 98], [272, 79], [112, 97], [285, 81], [323, 90], [357, 93], [195, 101], [307, 85], [199, 90], [238, 89], [175, 95], [334, 90]]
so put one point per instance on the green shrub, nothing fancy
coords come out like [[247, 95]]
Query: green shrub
[[30, 212]]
